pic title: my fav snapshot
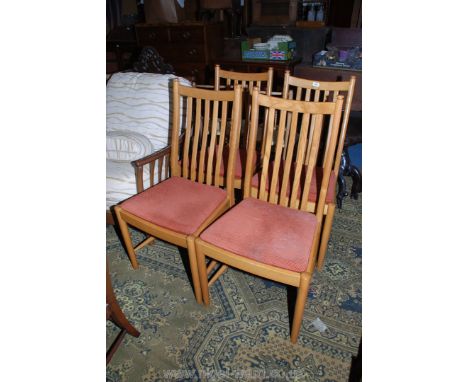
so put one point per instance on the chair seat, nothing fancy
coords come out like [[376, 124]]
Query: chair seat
[[316, 179], [265, 232], [177, 204]]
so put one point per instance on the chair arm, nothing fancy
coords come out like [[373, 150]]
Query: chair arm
[[151, 159]]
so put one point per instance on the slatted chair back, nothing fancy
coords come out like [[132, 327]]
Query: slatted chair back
[[301, 89], [211, 120], [226, 79], [287, 181]]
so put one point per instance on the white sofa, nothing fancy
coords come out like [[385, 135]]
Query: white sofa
[[137, 126]]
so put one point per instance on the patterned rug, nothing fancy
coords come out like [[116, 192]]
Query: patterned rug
[[244, 333]]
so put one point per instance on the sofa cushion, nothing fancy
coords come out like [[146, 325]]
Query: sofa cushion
[[126, 146], [140, 102]]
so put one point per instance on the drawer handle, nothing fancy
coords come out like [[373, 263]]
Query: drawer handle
[[192, 52], [186, 35], [152, 35]]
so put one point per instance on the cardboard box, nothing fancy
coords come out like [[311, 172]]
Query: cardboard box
[[284, 52]]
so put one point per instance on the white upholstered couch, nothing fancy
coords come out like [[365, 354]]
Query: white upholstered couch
[[137, 126]]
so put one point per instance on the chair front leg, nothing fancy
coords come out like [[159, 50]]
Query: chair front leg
[[301, 300], [192, 254], [201, 260], [123, 226], [327, 227]]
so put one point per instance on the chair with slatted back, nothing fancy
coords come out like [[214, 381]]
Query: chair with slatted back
[[179, 208], [271, 232], [226, 79], [319, 91]]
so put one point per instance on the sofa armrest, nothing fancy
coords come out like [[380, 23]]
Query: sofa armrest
[[158, 160]]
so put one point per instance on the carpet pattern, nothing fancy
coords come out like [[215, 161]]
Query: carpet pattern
[[244, 333]]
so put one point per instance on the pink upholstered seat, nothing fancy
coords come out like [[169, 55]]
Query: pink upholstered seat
[[316, 179], [241, 160], [177, 204], [265, 232]]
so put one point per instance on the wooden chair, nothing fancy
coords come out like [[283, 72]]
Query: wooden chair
[[319, 91], [115, 314], [179, 208], [225, 79], [272, 234]]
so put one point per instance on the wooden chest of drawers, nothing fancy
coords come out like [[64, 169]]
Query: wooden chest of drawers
[[188, 47]]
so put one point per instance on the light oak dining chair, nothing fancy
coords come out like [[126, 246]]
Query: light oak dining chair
[[179, 208], [319, 91], [226, 79], [271, 232]]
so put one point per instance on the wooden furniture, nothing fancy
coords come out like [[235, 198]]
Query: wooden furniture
[[319, 91], [264, 82], [271, 233], [256, 66], [115, 314], [188, 46], [181, 207], [274, 12], [121, 49], [355, 119], [333, 74]]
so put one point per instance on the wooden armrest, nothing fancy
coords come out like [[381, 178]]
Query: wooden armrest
[[152, 159]]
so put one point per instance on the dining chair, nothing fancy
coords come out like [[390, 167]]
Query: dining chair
[[226, 79], [272, 234], [320, 91], [179, 208]]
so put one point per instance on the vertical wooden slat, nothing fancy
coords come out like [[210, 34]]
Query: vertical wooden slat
[[214, 125], [288, 161], [175, 167], [233, 143], [266, 158], [302, 147], [311, 161], [160, 168], [222, 132], [196, 135], [188, 136], [312, 123], [151, 168], [202, 156], [251, 150], [278, 157]]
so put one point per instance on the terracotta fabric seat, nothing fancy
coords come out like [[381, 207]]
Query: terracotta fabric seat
[[265, 232], [316, 180], [177, 204], [241, 159]]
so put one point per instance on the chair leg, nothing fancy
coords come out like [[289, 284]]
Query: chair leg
[[201, 259], [192, 254], [327, 227], [300, 305], [126, 237]]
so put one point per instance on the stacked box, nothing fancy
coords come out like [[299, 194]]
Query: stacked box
[[284, 52]]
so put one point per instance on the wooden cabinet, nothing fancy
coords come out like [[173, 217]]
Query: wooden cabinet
[[189, 47]]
